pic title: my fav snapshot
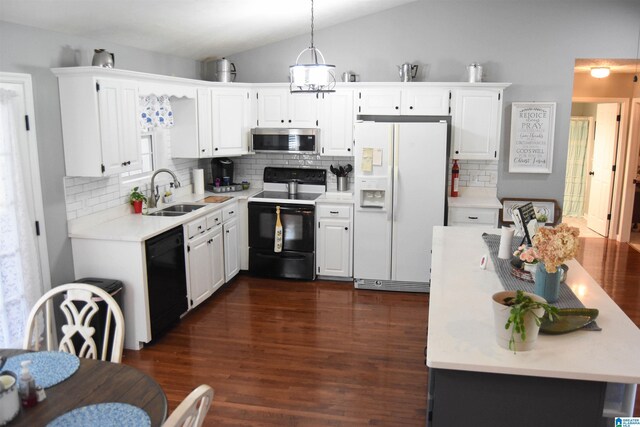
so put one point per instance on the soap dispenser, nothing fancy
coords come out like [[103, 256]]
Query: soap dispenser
[[27, 386]]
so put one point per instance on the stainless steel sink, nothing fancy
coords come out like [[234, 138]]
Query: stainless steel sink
[[177, 210], [162, 213]]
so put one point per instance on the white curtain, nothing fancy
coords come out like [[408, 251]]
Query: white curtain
[[20, 279], [575, 180]]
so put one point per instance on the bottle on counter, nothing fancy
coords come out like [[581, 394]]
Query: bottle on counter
[[455, 174], [27, 386]]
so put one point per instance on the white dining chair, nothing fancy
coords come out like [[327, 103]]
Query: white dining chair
[[79, 304], [193, 409]]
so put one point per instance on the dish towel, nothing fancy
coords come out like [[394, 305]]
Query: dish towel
[[277, 243]]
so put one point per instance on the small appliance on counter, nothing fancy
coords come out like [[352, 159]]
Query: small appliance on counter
[[222, 176]]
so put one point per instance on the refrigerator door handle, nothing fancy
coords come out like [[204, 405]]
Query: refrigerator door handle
[[396, 155], [389, 174]]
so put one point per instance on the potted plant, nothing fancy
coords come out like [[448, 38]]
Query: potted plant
[[136, 198], [518, 316], [528, 256]]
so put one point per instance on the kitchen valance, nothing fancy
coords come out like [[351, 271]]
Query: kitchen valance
[[155, 111]]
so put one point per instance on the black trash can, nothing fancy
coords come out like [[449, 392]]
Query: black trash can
[[115, 289]]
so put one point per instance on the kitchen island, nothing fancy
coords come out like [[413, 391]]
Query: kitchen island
[[571, 379]]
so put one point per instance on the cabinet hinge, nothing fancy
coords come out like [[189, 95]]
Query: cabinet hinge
[[26, 123], [359, 95], [256, 95], [257, 122], [495, 154], [247, 95], [37, 228], [188, 248], [618, 118], [449, 109], [359, 109], [318, 224], [322, 150], [608, 216], [498, 97], [613, 168], [97, 87], [102, 168], [318, 270], [449, 94], [316, 123]]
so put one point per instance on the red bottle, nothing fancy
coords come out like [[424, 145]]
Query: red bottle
[[455, 173]]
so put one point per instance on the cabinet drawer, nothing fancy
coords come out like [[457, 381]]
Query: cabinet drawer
[[472, 216], [196, 227], [334, 211], [229, 212], [214, 219]]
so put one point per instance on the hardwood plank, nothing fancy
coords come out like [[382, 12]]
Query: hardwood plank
[[298, 353]]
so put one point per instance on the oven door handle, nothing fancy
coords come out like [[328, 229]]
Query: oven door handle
[[284, 208]]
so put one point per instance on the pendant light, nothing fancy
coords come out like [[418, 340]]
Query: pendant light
[[600, 72], [315, 76]]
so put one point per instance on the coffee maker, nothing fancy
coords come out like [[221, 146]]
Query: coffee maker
[[222, 169]]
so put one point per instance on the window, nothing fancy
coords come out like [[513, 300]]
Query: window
[[147, 156]]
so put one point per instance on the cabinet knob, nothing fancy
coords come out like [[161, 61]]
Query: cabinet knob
[[411, 107], [216, 149], [346, 228], [202, 150], [348, 149], [282, 121], [457, 152], [472, 217], [397, 108], [289, 120]]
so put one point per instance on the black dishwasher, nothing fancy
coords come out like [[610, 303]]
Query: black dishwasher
[[166, 280]]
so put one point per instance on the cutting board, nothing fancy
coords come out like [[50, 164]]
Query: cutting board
[[217, 199]]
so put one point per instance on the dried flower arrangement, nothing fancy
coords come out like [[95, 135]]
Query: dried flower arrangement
[[527, 254], [554, 246]]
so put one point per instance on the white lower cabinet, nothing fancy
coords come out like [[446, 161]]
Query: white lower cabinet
[[231, 249], [469, 216], [205, 258], [334, 240]]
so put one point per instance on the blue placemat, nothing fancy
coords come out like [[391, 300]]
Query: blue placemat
[[103, 415], [48, 368], [566, 297]]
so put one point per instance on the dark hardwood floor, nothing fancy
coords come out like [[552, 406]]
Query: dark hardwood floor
[[286, 353]]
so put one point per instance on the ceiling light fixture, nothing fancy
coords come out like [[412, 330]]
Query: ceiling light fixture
[[600, 72], [317, 77]]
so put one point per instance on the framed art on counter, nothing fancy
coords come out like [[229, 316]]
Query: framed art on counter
[[532, 129]]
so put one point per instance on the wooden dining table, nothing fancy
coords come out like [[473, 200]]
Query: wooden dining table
[[95, 382]]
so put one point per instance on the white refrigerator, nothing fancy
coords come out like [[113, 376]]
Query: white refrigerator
[[400, 193]]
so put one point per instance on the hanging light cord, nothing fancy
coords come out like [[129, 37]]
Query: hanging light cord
[[635, 77], [313, 49]]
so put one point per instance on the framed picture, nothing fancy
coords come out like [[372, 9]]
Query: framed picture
[[547, 207], [532, 129]]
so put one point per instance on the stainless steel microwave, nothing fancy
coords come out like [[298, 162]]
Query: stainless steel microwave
[[282, 140]]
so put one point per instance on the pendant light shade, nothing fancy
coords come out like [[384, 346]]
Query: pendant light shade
[[314, 76]]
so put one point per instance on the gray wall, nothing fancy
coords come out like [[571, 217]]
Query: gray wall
[[531, 44], [33, 51]]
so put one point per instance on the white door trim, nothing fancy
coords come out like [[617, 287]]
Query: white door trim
[[621, 153], [631, 166], [25, 81]]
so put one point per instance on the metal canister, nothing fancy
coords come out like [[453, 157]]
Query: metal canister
[[475, 72]]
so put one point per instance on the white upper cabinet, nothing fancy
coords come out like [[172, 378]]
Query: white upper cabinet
[[100, 125], [476, 121], [393, 101], [214, 124], [337, 116], [425, 101], [230, 121], [278, 108], [384, 101]]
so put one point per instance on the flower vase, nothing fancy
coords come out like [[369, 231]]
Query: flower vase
[[137, 206], [547, 285]]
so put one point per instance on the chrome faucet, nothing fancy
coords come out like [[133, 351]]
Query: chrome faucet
[[153, 200]]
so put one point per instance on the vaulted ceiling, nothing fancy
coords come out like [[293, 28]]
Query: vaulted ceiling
[[197, 29]]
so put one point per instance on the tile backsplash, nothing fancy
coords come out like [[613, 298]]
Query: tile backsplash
[[251, 168], [86, 196], [476, 173]]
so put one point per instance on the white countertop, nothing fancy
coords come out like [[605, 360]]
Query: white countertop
[[137, 227], [461, 332], [336, 197], [471, 197]]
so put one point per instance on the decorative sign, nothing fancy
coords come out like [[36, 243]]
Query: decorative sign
[[532, 126]]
